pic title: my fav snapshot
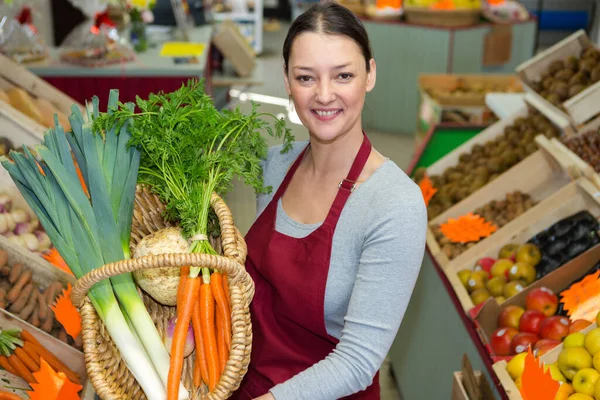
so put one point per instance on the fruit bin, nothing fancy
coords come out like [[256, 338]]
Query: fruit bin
[[486, 319], [578, 108], [577, 196], [501, 368], [458, 388], [538, 176], [43, 100]]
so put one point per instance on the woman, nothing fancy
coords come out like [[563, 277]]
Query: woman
[[336, 250]]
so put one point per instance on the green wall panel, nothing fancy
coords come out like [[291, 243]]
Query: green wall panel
[[401, 53]]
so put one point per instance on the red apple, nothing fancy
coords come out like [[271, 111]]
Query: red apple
[[531, 321], [542, 299], [579, 325], [543, 346], [509, 317], [500, 340], [556, 327], [522, 341], [485, 264]]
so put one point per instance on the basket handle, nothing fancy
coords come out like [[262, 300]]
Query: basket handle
[[234, 270]]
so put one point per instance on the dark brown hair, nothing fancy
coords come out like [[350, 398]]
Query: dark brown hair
[[329, 18]]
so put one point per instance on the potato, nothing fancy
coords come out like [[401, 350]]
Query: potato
[[160, 283]]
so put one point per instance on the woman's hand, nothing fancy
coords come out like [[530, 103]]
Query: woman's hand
[[267, 396]]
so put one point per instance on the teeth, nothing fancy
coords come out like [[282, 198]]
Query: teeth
[[325, 113]]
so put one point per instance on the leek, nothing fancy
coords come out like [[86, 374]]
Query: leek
[[91, 232]]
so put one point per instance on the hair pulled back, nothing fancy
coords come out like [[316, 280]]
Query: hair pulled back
[[329, 18]]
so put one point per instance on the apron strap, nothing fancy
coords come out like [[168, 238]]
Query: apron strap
[[288, 176]]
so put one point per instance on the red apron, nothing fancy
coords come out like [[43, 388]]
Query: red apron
[[290, 274]]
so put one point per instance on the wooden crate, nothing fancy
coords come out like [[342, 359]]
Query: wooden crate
[[538, 175], [11, 119], [506, 381], [580, 108], [458, 389], [576, 196]]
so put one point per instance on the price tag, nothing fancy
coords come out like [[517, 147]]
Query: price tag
[[582, 300], [182, 49], [52, 385], [427, 189], [67, 314], [537, 384], [467, 228]]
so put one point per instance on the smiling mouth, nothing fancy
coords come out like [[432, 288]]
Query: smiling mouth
[[328, 113]]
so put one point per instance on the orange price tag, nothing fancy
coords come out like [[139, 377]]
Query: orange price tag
[[67, 314], [427, 189], [52, 385], [468, 228], [582, 300], [537, 384], [443, 5]]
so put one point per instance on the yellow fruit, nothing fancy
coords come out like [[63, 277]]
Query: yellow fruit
[[464, 275], [555, 372], [596, 361], [597, 390], [513, 287], [585, 381], [500, 299], [572, 360], [576, 339], [592, 341], [518, 383], [501, 267], [516, 365], [580, 396], [477, 281], [496, 286], [479, 296], [598, 319]]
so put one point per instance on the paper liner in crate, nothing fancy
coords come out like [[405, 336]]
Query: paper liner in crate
[[96, 41], [19, 37]]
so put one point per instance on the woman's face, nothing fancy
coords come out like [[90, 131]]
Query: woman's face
[[328, 80]]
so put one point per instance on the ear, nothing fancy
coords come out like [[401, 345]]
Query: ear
[[371, 75], [287, 82]]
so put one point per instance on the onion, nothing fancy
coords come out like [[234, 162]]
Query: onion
[[18, 240], [20, 215], [190, 344], [44, 240], [26, 227], [7, 223], [31, 242], [5, 203]]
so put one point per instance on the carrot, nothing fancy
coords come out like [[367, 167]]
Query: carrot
[[15, 272], [207, 308], [221, 343], [4, 364], [30, 350], [188, 300], [216, 283], [226, 289], [21, 369], [13, 293], [31, 363], [185, 271], [200, 367], [9, 396], [51, 359], [26, 336]]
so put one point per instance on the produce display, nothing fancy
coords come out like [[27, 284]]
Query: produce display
[[592, 270], [502, 277], [587, 146], [466, 89], [499, 212], [486, 162], [21, 296], [39, 109], [565, 240], [534, 325], [21, 354], [567, 78]]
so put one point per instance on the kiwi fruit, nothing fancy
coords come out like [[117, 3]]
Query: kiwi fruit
[[531, 148], [575, 90], [595, 74], [572, 63], [587, 65], [547, 83], [482, 172], [518, 122], [494, 165], [509, 159], [591, 53], [550, 132], [579, 77], [556, 66], [554, 99], [477, 149], [465, 157], [520, 152], [538, 121], [536, 86], [564, 74], [561, 89]]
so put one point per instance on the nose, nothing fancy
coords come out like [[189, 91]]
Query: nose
[[324, 92]]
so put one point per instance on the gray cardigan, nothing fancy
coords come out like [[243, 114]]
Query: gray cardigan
[[377, 251]]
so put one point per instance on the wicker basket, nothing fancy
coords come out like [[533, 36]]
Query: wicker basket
[[106, 370]]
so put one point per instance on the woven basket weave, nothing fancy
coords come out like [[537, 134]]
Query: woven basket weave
[[106, 370]]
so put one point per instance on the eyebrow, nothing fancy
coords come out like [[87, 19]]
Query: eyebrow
[[300, 67]]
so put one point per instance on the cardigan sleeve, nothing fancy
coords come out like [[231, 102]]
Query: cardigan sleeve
[[388, 268]]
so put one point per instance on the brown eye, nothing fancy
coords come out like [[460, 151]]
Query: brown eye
[[345, 76], [303, 78]]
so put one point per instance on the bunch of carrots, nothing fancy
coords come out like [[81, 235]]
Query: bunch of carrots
[[21, 353], [204, 301]]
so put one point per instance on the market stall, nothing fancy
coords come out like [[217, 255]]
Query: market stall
[[513, 240]]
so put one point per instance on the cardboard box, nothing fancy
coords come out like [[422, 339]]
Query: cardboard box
[[235, 48], [486, 319]]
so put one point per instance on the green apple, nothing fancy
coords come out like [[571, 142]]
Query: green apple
[[592, 341], [555, 372], [508, 250], [576, 339], [596, 361], [529, 253], [501, 267], [464, 275], [597, 390], [522, 270], [496, 286], [585, 381], [580, 396], [572, 360], [477, 281]]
